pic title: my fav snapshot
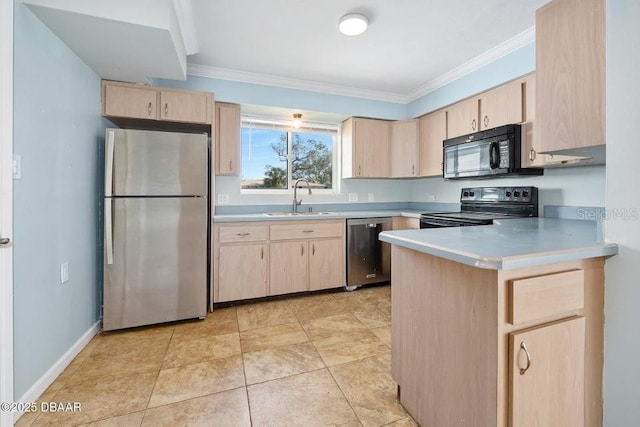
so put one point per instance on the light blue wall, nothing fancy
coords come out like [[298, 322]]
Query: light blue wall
[[575, 186], [248, 93], [509, 67], [57, 128], [622, 298]]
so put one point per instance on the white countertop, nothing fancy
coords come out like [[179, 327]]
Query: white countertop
[[316, 215], [509, 244]]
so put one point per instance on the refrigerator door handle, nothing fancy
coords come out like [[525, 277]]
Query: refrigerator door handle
[[108, 230], [108, 170]]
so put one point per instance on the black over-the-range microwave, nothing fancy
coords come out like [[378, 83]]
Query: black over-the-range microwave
[[485, 154]]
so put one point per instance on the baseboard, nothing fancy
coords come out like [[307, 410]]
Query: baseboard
[[49, 377]]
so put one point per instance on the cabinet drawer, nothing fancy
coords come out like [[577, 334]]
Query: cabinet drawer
[[307, 230], [544, 296], [248, 233]]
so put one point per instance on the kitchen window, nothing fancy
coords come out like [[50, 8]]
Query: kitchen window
[[275, 155]]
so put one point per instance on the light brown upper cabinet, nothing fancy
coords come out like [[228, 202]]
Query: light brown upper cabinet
[[496, 107], [181, 106], [404, 148], [137, 102], [570, 73], [365, 148], [134, 101], [227, 139], [462, 117], [433, 130], [501, 106]]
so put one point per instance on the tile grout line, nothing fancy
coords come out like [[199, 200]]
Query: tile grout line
[[155, 383], [244, 371]]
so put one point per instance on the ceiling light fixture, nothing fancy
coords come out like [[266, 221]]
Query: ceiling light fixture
[[353, 24], [297, 120]]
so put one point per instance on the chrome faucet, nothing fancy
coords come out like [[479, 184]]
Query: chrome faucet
[[297, 202]]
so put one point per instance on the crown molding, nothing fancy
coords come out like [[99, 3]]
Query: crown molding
[[503, 49], [289, 83], [524, 38]]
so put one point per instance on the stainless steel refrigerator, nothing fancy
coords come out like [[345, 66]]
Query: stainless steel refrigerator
[[155, 227]]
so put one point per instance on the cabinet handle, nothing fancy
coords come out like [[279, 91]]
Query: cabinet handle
[[485, 121], [243, 234], [301, 250], [262, 252], [313, 249], [149, 109], [532, 154], [473, 124], [526, 352], [413, 169], [166, 108], [230, 165], [307, 231]]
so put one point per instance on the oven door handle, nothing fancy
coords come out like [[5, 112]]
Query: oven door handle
[[494, 155]]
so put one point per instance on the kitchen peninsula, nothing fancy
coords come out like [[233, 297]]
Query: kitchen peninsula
[[500, 324]]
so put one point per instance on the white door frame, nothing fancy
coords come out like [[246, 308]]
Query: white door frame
[[6, 207]]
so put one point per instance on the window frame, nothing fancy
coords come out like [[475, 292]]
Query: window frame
[[308, 127]]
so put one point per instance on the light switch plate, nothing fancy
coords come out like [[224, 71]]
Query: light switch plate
[[223, 199], [370, 197], [64, 272], [353, 197], [17, 166]]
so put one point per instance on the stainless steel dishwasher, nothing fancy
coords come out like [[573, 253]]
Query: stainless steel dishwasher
[[368, 259]]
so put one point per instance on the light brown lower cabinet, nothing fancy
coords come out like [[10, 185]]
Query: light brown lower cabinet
[[242, 271], [257, 259], [326, 264], [473, 346], [289, 271], [547, 375]]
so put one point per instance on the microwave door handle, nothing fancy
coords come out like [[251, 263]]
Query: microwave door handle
[[494, 155]]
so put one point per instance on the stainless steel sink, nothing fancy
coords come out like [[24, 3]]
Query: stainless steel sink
[[299, 213]]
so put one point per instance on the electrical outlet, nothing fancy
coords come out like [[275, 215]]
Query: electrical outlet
[[431, 197], [370, 197], [223, 199], [353, 197], [64, 272], [17, 166]]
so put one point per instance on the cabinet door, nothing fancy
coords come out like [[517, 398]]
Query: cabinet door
[[404, 148], [242, 272], [462, 118], [127, 101], [547, 375], [570, 73], [501, 106], [433, 130], [227, 139], [289, 270], [194, 107], [371, 148], [326, 264]]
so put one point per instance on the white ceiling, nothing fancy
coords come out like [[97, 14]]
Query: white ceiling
[[409, 46]]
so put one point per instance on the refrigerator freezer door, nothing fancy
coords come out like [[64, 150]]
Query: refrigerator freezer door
[[159, 263], [151, 163]]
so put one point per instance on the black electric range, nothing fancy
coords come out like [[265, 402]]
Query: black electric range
[[482, 205]]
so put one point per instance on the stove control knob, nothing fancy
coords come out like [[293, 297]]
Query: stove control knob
[[508, 194], [466, 194], [471, 193], [525, 194], [516, 194]]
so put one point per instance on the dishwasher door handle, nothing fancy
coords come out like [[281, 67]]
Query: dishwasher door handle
[[371, 225]]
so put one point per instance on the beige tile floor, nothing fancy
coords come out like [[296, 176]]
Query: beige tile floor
[[313, 360]]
